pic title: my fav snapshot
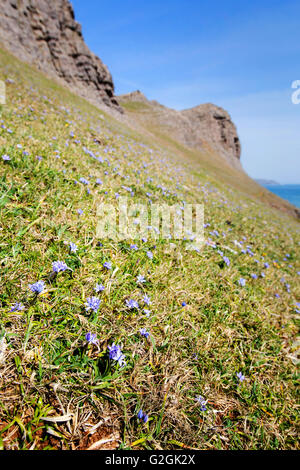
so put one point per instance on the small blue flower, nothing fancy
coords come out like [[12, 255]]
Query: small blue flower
[[183, 304], [140, 279], [92, 338], [226, 260], [17, 307], [92, 303], [240, 376], [134, 247], [107, 265], [99, 288], [143, 416], [202, 402], [150, 254], [58, 266], [115, 354], [73, 247], [146, 300], [242, 282], [84, 181], [132, 304], [144, 332], [37, 287]]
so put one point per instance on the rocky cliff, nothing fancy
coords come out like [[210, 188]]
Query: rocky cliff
[[45, 33], [213, 124], [195, 127]]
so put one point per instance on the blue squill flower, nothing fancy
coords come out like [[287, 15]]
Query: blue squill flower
[[92, 338], [132, 304], [146, 300], [73, 247], [99, 288], [134, 247], [107, 265], [140, 279], [226, 260], [202, 402], [92, 303], [84, 181], [240, 376], [17, 307], [143, 416], [115, 354], [144, 332], [58, 266], [37, 287]]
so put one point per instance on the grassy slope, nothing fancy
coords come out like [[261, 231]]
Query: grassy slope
[[46, 367], [146, 115]]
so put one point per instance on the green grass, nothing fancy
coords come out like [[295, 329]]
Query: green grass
[[47, 369], [135, 106]]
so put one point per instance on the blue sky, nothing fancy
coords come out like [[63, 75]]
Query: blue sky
[[240, 55]]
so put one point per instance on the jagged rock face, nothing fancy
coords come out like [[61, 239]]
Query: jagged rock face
[[136, 96], [45, 33], [195, 127], [214, 125]]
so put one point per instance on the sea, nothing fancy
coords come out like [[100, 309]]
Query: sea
[[291, 192]]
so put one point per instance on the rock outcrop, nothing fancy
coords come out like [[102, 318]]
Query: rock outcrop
[[45, 33], [213, 124], [195, 127]]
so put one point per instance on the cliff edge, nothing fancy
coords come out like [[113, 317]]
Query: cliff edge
[[45, 33]]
